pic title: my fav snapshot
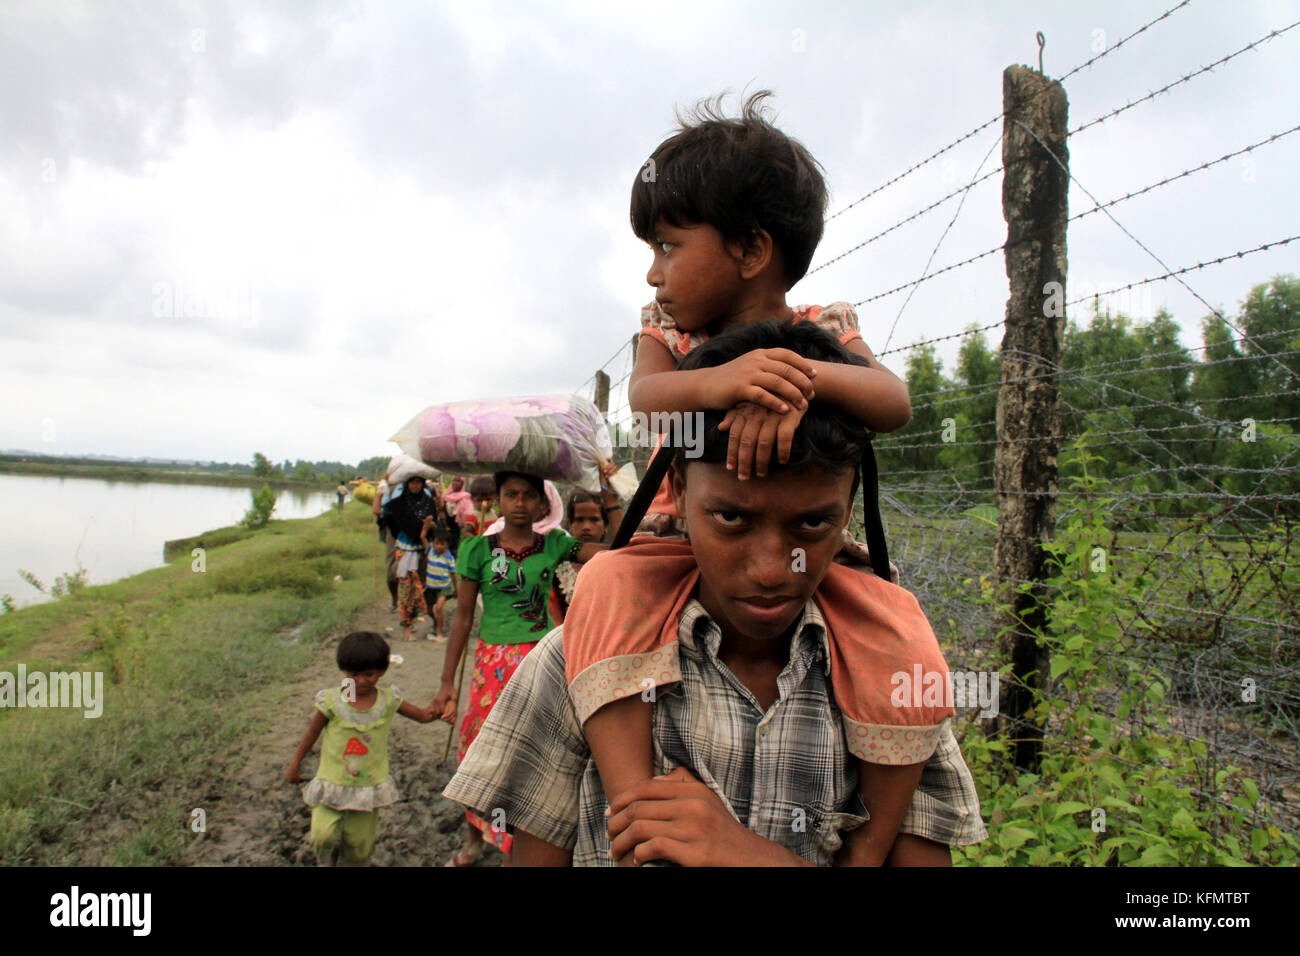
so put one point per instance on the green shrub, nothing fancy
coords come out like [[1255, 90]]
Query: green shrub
[[305, 577], [263, 504], [1115, 785], [65, 585]]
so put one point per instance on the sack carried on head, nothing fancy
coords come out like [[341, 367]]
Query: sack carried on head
[[560, 437], [402, 467]]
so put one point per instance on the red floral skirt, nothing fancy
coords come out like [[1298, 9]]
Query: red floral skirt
[[494, 664]]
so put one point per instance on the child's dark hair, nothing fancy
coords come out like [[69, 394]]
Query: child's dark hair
[[739, 175], [827, 436], [499, 478], [482, 487], [363, 651], [579, 497], [441, 535]]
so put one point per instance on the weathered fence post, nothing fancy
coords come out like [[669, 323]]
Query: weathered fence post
[[1034, 192], [602, 391]]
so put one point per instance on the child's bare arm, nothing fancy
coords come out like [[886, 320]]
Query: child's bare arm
[[874, 395], [407, 709], [318, 722], [589, 550], [773, 378], [887, 792], [910, 850], [529, 850], [619, 737]]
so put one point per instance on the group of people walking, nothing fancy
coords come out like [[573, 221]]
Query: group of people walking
[[443, 545], [719, 690]]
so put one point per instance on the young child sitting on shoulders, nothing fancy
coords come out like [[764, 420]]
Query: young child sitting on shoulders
[[754, 765], [733, 215]]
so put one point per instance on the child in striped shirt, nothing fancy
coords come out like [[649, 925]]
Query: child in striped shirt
[[439, 581]]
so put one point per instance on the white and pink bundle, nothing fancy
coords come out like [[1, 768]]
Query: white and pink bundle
[[560, 437]]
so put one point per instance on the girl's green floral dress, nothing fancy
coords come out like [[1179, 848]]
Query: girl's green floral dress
[[353, 772]]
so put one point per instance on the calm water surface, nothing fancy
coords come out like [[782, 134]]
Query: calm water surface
[[113, 528]]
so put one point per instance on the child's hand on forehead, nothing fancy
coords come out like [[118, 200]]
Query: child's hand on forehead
[[776, 379], [753, 431]]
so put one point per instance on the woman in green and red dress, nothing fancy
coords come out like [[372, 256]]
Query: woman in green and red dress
[[513, 570]]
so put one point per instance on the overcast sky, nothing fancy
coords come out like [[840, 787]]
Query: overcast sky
[[238, 227]]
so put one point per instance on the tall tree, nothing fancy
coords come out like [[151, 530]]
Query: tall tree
[[915, 447], [1270, 317], [974, 412]]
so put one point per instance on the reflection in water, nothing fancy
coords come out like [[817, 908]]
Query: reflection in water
[[114, 528]]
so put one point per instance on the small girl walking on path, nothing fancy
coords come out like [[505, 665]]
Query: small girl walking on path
[[352, 782]]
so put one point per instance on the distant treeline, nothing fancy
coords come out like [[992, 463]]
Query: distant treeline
[[1220, 418], [261, 468]]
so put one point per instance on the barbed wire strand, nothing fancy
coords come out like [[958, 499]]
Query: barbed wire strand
[[989, 122]]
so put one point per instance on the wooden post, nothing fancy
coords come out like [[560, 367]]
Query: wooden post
[[1034, 192], [602, 391]]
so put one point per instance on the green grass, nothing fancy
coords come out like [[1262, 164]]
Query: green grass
[[192, 663]]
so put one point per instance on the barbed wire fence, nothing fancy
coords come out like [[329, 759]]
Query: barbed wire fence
[[1200, 479]]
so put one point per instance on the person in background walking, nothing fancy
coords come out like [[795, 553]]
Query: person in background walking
[[591, 518], [405, 513], [483, 494], [382, 491], [439, 580], [342, 492], [459, 507]]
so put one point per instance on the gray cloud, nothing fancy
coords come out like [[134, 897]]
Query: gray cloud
[[429, 202]]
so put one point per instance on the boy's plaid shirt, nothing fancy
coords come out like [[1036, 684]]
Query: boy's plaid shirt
[[786, 774]]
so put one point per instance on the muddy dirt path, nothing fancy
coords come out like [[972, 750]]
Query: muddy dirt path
[[256, 819]]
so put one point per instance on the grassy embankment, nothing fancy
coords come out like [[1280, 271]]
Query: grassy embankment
[[194, 664]]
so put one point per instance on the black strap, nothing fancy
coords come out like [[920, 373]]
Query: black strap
[[873, 524], [645, 493]]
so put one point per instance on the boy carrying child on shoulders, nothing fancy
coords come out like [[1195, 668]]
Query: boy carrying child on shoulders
[[751, 759]]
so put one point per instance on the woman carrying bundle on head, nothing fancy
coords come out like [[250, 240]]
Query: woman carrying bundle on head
[[410, 515], [512, 569]]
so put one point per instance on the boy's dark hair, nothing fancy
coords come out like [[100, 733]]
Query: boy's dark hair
[[738, 175], [482, 487], [363, 651], [827, 437], [580, 496], [440, 534]]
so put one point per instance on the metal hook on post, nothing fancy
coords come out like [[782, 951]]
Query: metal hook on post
[[1042, 42]]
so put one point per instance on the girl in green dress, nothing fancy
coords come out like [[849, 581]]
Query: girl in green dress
[[512, 570], [352, 782]]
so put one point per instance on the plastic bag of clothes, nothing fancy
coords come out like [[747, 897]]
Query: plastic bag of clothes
[[560, 437], [402, 467]]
